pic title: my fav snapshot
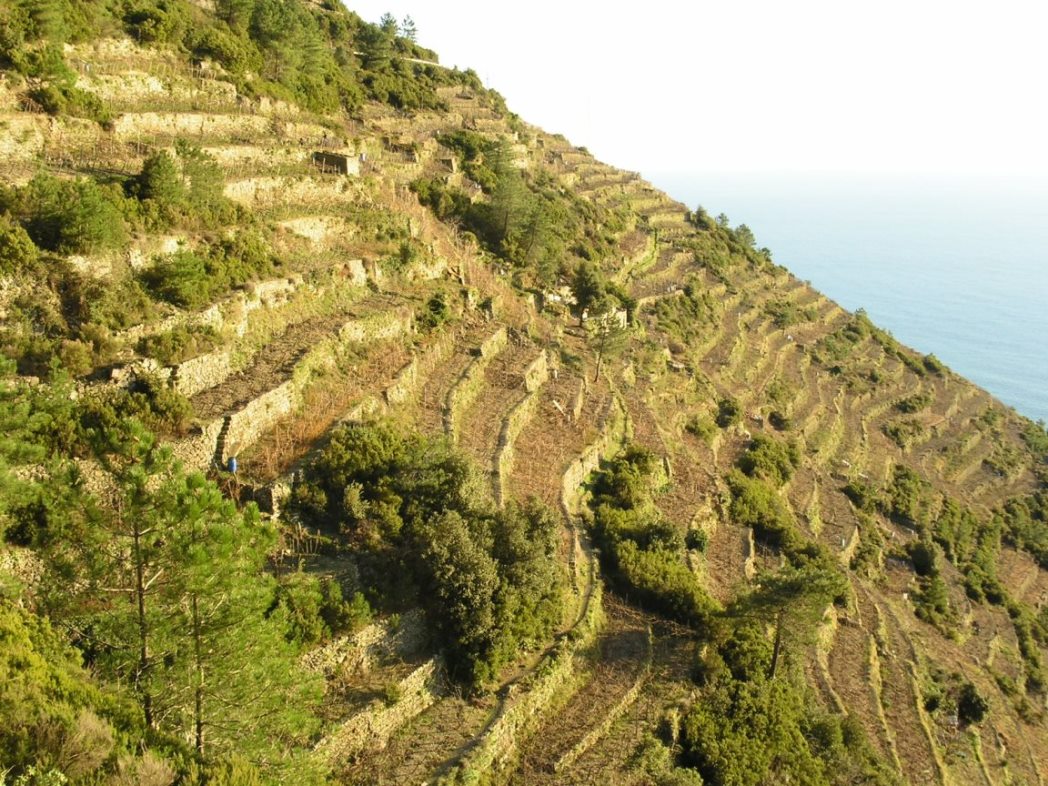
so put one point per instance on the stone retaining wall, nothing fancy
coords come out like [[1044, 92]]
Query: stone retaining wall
[[202, 372], [200, 124], [371, 728], [535, 376], [232, 433], [299, 190], [613, 433], [524, 708], [465, 390]]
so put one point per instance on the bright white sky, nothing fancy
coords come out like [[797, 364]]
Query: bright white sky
[[836, 86]]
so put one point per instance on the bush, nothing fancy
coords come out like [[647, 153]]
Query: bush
[[60, 99], [643, 553], [903, 432], [193, 279], [924, 556], [728, 412], [779, 420], [906, 498], [178, 344], [702, 427], [146, 399], [931, 603], [755, 504], [18, 254], [316, 610], [696, 539], [180, 279], [770, 459], [408, 508], [971, 707], [914, 403], [68, 216]]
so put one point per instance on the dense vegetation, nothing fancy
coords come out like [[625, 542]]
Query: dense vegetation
[[527, 220], [322, 58], [644, 554], [412, 513], [159, 582]]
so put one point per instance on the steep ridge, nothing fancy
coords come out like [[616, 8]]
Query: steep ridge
[[442, 335]]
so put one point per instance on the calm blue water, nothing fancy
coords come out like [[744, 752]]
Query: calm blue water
[[958, 268]]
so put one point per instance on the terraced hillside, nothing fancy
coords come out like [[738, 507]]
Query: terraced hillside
[[440, 265]]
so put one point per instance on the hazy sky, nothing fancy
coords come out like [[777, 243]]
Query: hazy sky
[[918, 86]]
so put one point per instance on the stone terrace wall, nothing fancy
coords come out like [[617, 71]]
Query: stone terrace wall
[[232, 433], [465, 391], [535, 376], [372, 728], [202, 372]]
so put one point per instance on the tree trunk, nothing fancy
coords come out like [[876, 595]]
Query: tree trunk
[[143, 627], [777, 648], [198, 690]]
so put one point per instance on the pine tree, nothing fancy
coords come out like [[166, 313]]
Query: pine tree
[[408, 29], [234, 678], [793, 601], [388, 24]]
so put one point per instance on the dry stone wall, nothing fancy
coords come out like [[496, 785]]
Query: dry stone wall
[[614, 431], [535, 376], [190, 124], [372, 728], [467, 388], [299, 190], [226, 436], [202, 372]]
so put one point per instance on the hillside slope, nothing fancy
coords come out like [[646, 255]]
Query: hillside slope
[[252, 257]]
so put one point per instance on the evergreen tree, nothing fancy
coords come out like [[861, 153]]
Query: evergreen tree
[[160, 180], [793, 601], [588, 287], [408, 29], [388, 24], [233, 685]]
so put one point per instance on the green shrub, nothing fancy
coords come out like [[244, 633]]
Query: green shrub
[[924, 556], [696, 539], [193, 279], [315, 609], [755, 504], [702, 427], [643, 553], [971, 707], [147, 399], [728, 412], [771, 459], [914, 403], [934, 365], [18, 254], [178, 344], [785, 313], [59, 99], [779, 420], [68, 216], [931, 603], [408, 508], [436, 312], [907, 498]]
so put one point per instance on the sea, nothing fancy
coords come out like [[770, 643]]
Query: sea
[[953, 266]]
